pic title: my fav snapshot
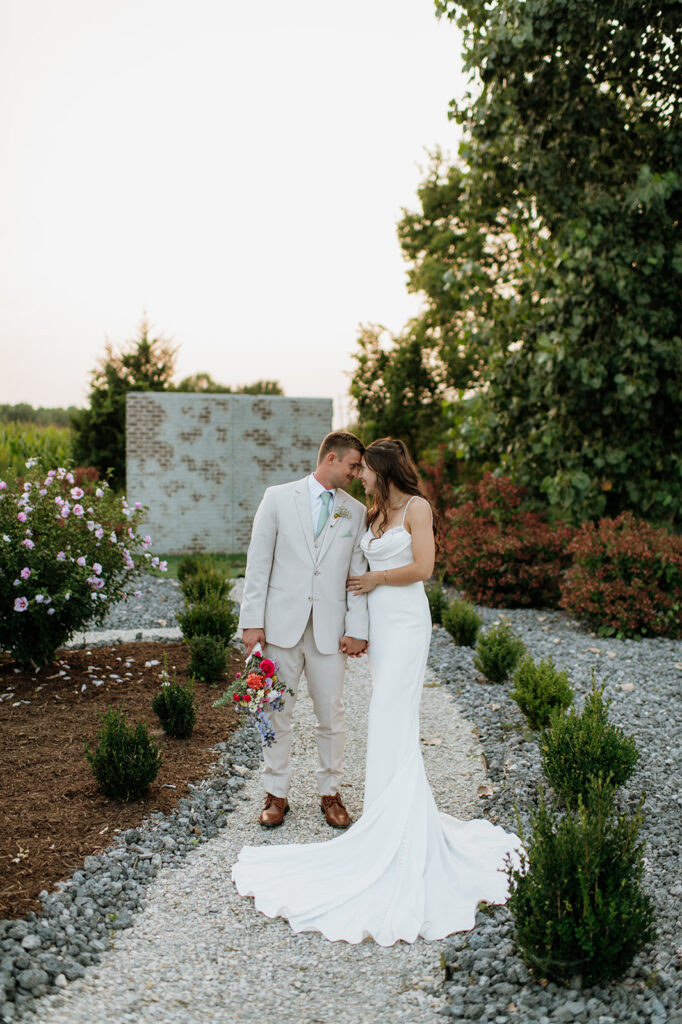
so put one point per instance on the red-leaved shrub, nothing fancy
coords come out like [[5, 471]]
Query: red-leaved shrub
[[500, 554], [626, 578]]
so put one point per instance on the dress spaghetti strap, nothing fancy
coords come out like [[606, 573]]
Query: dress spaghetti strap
[[405, 512]]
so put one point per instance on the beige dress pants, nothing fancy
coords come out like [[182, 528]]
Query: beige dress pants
[[324, 674]]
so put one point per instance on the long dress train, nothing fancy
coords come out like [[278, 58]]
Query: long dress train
[[403, 869]]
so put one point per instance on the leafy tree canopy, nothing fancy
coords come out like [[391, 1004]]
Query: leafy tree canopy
[[203, 383], [550, 255], [43, 416]]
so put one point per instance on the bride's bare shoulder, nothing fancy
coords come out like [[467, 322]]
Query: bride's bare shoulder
[[418, 511]]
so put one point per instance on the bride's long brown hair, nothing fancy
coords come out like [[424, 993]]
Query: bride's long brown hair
[[390, 460]]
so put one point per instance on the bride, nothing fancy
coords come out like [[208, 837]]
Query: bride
[[403, 869]]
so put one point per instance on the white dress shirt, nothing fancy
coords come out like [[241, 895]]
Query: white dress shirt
[[315, 492]]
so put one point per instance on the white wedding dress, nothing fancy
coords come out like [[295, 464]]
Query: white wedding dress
[[403, 869]]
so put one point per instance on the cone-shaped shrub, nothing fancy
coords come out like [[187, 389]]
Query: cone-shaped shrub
[[498, 652], [462, 623], [437, 602], [577, 900], [578, 747], [539, 690], [207, 584], [126, 760], [208, 658], [174, 706], [189, 566], [212, 617]]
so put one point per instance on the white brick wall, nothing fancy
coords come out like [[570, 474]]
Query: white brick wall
[[201, 462]]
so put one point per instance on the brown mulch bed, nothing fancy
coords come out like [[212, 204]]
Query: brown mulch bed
[[52, 813]]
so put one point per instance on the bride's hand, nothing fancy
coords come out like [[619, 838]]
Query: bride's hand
[[362, 584]]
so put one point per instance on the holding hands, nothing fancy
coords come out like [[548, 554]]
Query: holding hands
[[352, 646]]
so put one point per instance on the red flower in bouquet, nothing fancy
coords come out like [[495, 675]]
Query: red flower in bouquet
[[257, 691]]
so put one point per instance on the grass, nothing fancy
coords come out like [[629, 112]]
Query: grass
[[232, 565]]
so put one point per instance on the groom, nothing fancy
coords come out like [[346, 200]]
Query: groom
[[305, 543]]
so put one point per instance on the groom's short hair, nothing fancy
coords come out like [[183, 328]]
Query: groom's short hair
[[339, 442]]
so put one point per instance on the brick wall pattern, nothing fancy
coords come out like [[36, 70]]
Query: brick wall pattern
[[201, 463]]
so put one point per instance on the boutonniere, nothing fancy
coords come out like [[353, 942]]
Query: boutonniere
[[343, 513]]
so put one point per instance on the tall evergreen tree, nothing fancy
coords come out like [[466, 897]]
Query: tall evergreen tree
[[146, 364]]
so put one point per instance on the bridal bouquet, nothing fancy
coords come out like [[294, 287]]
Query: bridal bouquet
[[255, 691]]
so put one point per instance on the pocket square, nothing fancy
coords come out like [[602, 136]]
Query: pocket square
[[347, 534]]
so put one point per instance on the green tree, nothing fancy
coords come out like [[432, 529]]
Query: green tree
[[396, 389], [572, 146], [549, 257], [146, 364], [203, 383]]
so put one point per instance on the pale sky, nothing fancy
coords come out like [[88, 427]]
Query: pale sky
[[235, 168]]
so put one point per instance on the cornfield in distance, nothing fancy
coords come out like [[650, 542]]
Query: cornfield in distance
[[21, 441]]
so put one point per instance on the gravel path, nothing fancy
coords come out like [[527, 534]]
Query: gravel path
[[154, 931], [200, 952]]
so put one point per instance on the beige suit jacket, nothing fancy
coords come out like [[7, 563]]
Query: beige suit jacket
[[287, 577]]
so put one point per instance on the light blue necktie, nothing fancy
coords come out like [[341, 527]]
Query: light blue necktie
[[324, 511]]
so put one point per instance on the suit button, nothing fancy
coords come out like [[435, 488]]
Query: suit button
[[316, 573]]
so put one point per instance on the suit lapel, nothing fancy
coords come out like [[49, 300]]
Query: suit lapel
[[302, 502]]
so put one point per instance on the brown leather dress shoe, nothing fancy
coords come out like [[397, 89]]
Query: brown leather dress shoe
[[274, 810], [336, 814]]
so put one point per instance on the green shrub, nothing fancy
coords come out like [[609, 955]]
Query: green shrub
[[174, 705], [209, 618], [577, 901], [539, 690], [579, 747], [437, 602], [498, 652], [208, 658], [126, 760], [190, 566], [626, 579], [207, 584], [462, 623]]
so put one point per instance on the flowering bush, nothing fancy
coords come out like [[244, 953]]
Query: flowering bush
[[65, 556], [626, 578], [501, 555]]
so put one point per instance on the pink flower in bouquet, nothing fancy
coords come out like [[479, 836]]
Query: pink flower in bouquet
[[267, 667]]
